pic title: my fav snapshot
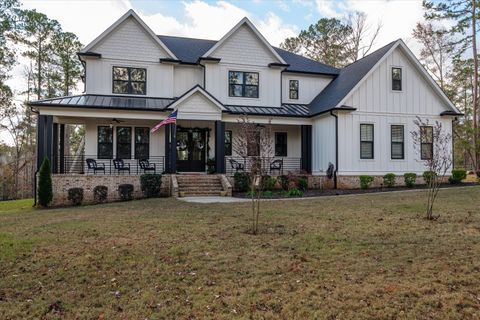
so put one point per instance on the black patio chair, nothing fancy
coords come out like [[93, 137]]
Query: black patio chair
[[237, 166], [93, 165], [276, 165], [121, 166], [145, 165]]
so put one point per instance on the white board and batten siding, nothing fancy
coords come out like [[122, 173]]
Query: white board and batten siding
[[323, 144], [185, 78], [309, 86], [377, 104]]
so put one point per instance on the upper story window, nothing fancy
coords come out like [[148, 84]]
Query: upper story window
[[128, 80], [397, 79], [366, 141], [293, 85], [243, 84], [426, 139]]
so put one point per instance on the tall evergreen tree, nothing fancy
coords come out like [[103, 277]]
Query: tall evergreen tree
[[66, 45]]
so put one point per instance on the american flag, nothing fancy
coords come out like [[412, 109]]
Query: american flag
[[172, 118]]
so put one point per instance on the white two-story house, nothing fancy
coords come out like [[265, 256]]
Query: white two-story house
[[358, 118]]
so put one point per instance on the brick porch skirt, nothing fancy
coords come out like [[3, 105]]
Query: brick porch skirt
[[62, 182]]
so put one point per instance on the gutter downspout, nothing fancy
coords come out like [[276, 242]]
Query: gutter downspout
[[36, 170], [336, 149]]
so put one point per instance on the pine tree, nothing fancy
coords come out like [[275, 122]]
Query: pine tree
[[45, 192]]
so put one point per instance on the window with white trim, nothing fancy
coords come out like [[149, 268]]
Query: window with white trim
[[397, 142], [366, 141]]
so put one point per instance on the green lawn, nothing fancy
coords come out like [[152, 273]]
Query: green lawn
[[354, 257]]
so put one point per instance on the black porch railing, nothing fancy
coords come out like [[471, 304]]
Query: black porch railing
[[274, 165], [79, 165]]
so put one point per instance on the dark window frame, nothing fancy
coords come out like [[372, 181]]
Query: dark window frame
[[277, 144], [243, 84], [129, 81], [397, 81], [110, 144], [137, 144], [426, 144], [372, 142], [290, 90], [402, 143], [122, 144], [228, 145]]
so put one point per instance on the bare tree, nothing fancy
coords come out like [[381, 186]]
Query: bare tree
[[434, 145], [254, 144], [363, 35]]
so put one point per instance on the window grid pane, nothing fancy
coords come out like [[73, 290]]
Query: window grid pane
[[243, 84], [397, 142], [105, 143], [142, 143], [293, 86], [128, 80], [281, 144], [124, 142], [366, 141], [228, 142]]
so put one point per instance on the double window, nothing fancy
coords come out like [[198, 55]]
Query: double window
[[280, 144], [397, 142], [396, 79], [426, 145], [105, 142], [228, 142], [366, 141], [128, 80], [243, 84], [293, 86]]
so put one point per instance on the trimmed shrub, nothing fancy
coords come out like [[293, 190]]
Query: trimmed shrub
[[365, 181], [45, 190], [294, 192], [75, 196], [457, 176], [284, 182], [100, 194], [389, 180], [410, 179], [241, 181], [151, 184], [428, 176], [269, 183], [126, 192], [302, 184]]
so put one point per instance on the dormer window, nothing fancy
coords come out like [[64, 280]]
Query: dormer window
[[396, 79], [293, 85], [243, 84], [128, 80]]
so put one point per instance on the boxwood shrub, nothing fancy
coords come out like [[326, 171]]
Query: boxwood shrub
[[151, 184], [428, 176], [75, 196], [389, 180], [241, 181], [457, 176], [365, 182], [410, 179], [100, 194], [125, 191]]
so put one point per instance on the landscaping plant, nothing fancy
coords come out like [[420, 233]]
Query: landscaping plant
[[151, 184], [75, 196], [428, 176], [302, 184], [389, 180], [241, 181], [457, 176], [100, 194], [410, 179], [434, 146], [45, 190], [126, 192], [365, 181]]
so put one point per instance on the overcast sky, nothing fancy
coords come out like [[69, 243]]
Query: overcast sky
[[276, 19]]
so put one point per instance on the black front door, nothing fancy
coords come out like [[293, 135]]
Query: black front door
[[191, 147]]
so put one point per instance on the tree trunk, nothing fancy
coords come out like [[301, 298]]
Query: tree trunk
[[475, 87]]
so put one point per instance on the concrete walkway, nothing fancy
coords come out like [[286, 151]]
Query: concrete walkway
[[218, 199]]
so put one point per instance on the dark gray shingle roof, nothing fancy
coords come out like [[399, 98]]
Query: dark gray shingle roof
[[190, 49], [107, 102], [349, 76]]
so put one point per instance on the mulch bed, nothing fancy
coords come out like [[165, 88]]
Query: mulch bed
[[279, 194]]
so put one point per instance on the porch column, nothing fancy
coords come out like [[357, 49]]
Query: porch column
[[220, 146], [44, 139], [62, 148], [55, 149], [306, 164], [171, 148]]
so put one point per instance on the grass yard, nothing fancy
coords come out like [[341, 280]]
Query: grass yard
[[353, 257]]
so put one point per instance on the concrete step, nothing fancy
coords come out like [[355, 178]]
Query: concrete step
[[199, 185]]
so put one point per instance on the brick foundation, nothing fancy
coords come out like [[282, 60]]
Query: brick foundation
[[353, 182], [62, 182]]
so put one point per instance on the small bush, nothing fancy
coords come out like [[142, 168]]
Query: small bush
[[100, 194], [126, 192], [457, 176], [269, 182], [428, 176], [45, 190], [241, 181], [410, 179], [284, 182], [75, 196], [267, 194], [389, 180], [151, 184], [302, 184], [294, 192], [365, 181]]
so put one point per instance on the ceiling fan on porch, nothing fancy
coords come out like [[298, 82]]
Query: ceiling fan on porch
[[115, 120]]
